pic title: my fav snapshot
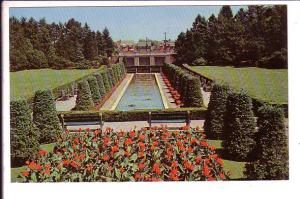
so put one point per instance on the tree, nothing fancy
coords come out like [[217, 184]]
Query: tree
[[239, 129], [100, 81], [23, 135], [215, 117], [45, 117], [84, 101], [271, 148], [108, 44]]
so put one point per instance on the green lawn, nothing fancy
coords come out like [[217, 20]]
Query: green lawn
[[25, 83], [269, 85]]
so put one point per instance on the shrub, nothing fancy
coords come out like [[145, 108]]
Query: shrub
[[106, 81], [111, 77], [45, 116], [94, 88], [271, 148], [23, 135], [144, 155], [194, 94], [214, 121], [84, 99], [200, 62], [100, 84], [239, 128], [277, 60]]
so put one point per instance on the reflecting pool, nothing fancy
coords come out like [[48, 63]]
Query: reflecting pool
[[142, 93]]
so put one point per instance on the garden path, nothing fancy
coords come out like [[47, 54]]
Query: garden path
[[66, 105]]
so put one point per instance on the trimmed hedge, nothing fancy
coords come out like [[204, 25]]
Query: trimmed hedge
[[45, 116], [111, 77], [106, 80], [194, 95], [102, 89], [214, 122], [84, 99], [136, 115], [272, 147], [239, 129], [95, 90], [23, 136]]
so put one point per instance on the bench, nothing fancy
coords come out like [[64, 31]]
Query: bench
[[169, 117], [82, 120]]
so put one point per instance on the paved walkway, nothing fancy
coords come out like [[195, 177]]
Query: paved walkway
[[127, 126], [167, 94], [117, 94], [66, 105], [206, 97]]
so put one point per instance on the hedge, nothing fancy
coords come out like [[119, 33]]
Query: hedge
[[111, 77], [136, 115], [102, 89], [106, 80], [272, 148], [239, 129], [215, 121], [23, 136], [94, 88], [45, 116], [194, 94], [84, 99]]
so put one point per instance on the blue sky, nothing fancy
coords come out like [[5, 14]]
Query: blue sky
[[126, 23]]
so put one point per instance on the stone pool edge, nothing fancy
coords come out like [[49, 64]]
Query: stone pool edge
[[115, 104], [163, 97]]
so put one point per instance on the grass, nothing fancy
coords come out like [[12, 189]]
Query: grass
[[270, 85], [23, 84], [235, 168]]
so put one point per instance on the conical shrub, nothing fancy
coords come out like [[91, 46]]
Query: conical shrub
[[272, 147], [102, 89], [94, 88], [45, 116], [23, 135], [84, 101]]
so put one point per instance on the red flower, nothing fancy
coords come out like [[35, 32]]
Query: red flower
[[96, 132], [25, 173], [132, 134], [39, 167], [27, 162], [194, 141], [188, 165], [89, 167], [210, 178], [74, 164], [128, 142], [105, 157], [32, 165], [222, 176], [137, 176], [42, 152], [106, 140], [179, 144], [141, 166], [122, 170], [212, 148], [174, 164], [47, 172], [141, 154], [66, 162], [156, 169], [114, 149], [205, 170], [198, 159], [174, 175], [155, 143], [141, 145], [220, 161], [142, 137], [126, 153], [190, 150], [204, 143]]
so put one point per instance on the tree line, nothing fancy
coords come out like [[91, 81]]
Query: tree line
[[256, 36], [38, 44]]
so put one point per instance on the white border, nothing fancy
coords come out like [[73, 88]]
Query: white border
[[275, 189]]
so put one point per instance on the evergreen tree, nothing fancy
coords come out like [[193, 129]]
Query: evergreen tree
[[108, 44], [84, 101], [94, 87]]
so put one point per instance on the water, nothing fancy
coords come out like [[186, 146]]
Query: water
[[142, 93]]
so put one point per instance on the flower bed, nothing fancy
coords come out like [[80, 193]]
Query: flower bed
[[144, 155]]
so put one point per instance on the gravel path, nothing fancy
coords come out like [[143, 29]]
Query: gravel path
[[66, 105]]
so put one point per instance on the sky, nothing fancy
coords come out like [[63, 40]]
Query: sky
[[126, 23]]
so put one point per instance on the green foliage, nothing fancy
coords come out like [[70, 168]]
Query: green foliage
[[95, 90], [106, 80], [237, 39], [215, 121], [45, 116], [239, 129], [37, 44], [194, 95], [23, 136], [111, 77], [84, 99], [272, 146], [100, 82]]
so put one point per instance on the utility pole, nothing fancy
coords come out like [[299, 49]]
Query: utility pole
[[165, 41]]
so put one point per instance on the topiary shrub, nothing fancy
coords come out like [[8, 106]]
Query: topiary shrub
[[84, 99], [106, 81], [94, 88], [23, 136], [45, 116], [214, 121], [194, 94], [102, 89], [239, 128], [111, 77], [272, 148]]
